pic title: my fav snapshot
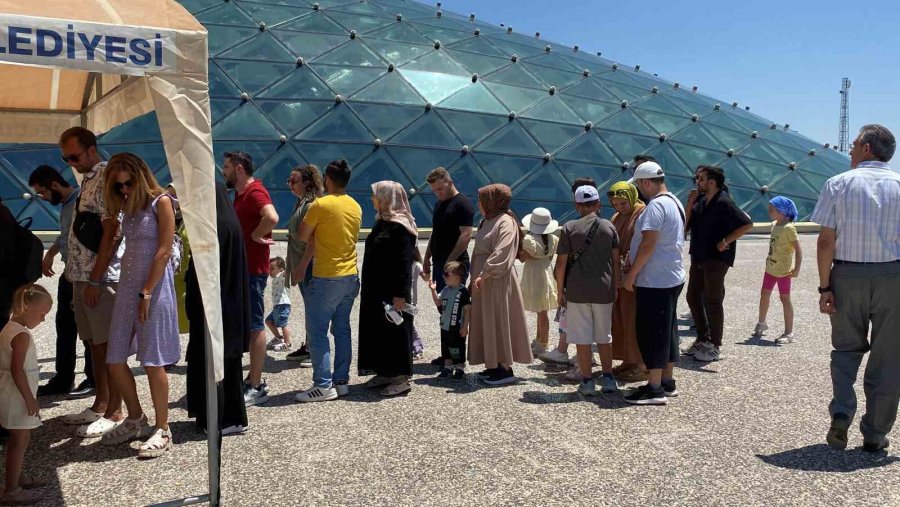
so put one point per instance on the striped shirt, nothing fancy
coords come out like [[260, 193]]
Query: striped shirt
[[863, 206]]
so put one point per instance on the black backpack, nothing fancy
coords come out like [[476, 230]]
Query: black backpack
[[27, 252]]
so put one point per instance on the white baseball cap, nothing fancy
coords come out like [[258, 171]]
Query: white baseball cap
[[586, 193], [646, 171]]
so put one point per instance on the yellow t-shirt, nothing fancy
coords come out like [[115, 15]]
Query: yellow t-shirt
[[780, 261], [337, 219]]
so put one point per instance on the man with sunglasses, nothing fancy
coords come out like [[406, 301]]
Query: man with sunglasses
[[94, 253]]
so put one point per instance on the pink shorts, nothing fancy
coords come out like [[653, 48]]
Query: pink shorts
[[784, 283]]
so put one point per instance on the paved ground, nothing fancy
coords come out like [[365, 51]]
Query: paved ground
[[748, 430]]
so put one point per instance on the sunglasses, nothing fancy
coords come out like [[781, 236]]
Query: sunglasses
[[72, 158], [617, 193], [119, 185]]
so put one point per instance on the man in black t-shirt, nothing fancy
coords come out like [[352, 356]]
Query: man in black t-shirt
[[451, 227], [715, 223]]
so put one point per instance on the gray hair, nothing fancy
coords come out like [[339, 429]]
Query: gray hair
[[880, 140]]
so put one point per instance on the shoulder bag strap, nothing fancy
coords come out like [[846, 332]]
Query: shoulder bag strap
[[678, 206], [587, 242]]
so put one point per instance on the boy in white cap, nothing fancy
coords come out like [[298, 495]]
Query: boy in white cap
[[586, 272]]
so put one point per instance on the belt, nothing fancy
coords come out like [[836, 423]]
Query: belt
[[838, 261]]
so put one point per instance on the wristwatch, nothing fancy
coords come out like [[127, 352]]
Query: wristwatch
[[142, 295], [823, 290]]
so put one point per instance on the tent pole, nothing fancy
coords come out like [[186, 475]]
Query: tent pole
[[213, 432]]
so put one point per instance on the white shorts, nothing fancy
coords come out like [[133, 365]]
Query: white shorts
[[589, 323]]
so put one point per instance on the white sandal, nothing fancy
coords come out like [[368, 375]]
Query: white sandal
[[156, 445], [97, 428], [86, 416], [126, 431], [396, 388]]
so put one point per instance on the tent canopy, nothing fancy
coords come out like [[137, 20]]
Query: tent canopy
[[100, 63]]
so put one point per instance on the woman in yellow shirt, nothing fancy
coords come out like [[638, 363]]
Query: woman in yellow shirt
[[782, 265]]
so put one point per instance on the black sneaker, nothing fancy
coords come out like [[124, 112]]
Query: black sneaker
[[445, 373], [644, 395], [301, 354], [486, 373], [458, 375], [501, 376], [438, 361], [669, 388], [54, 388]]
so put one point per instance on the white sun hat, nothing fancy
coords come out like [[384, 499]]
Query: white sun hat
[[540, 222]]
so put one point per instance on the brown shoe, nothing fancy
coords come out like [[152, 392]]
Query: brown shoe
[[837, 434], [633, 375]]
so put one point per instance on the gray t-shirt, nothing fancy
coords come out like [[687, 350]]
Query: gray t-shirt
[[664, 270], [590, 279]]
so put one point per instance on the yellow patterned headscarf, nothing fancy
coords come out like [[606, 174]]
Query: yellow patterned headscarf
[[624, 190]]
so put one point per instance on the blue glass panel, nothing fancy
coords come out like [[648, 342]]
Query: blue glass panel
[[226, 14], [42, 218], [339, 124], [758, 209], [220, 85], [302, 83], [622, 91], [291, 116], [764, 172], [284, 203], [671, 163], [467, 175], [277, 168], [254, 76], [627, 146], [247, 122], [591, 110], [553, 77], [260, 47], [365, 202], [805, 208], [398, 53], [434, 86], [386, 119], [554, 61], [513, 139], [791, 139], [694, 156], [503, 43], [679, 186], [482, 46], [399, 32], [508, 170], [663, 123], [390, 88], [194, 6], [443, 22], [553, 109], [515, 74], [589, 148], [409, 8], [661, 104], [760, 150], [418, 162], [360, 7], [308, 45], [433, 33], [23, 161], [474, 97], [551, 136], [603, 175], [698, 136], [562, 211], [794, 184], [377, 167], [321, 154], [221, 107], [737, 174], [728, 138], [315, 22], [789, 153], [721, 119], [429, 130], [359, 23], [222, 37], [471, 127], [590, 89], [546, 184], [353, 53], [742, 196], [751, 121], [272, 14], [258, 151], [142, 128], [421, 209], [816, 180], [163, 176], [152, 154], [477, 64], [348, 80], [437, 61], [516, 98], [627, 122]]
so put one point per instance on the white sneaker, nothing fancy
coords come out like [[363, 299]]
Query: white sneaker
[[554, 356], [97, 428], [237, 429], [686, 316], [274, 342], [695, 347], [588, 388], [317, 394], [256, 395], [707, 353], [86, 416], [537, 349], [760, 329], [127, 430], [785, 338]]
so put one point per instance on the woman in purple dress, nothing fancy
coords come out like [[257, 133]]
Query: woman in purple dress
[[145, 316]]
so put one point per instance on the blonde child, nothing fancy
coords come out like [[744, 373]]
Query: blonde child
[[782, 265], [19, 372], [277, 321], [455, 306], [538, 285]]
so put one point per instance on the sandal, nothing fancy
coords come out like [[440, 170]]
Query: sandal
[[378, 381], [21, 497], [156, 445], [396, 388], [86, 416], [97, 428], [31, 483], [128, 430]]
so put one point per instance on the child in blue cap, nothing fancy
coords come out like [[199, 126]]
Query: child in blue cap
[[782, 265]]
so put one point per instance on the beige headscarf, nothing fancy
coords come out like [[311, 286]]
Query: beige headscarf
[[393, 206]]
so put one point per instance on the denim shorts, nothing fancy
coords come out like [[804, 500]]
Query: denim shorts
[[279, 315], [257, 302]]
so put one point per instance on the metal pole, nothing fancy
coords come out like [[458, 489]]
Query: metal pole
[[213, 433]]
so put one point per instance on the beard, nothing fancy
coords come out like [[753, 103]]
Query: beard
[[55, 197], [229, 184]]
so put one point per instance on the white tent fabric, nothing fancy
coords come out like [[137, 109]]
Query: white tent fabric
[[100, 63]]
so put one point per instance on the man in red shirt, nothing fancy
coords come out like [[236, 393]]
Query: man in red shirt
[[258, 217]]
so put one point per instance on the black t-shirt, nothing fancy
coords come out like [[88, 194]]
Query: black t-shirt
[[710, 223], [448, 217]]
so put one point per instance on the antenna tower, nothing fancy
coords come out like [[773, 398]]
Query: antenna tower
[[844, 145]]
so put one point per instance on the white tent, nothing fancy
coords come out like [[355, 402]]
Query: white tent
[[100, 63]]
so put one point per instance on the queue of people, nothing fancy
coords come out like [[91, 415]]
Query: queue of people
[[614, 285]]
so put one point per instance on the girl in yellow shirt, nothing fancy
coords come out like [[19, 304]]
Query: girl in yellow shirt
[[782, 265]]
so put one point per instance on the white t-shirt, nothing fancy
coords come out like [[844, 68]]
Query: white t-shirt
[[664, 269], [280, 295]]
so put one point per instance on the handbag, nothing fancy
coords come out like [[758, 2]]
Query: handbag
[[87, 227]]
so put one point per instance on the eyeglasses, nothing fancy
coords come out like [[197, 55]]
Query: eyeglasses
[[72, 158], [119, 185], [617, 193]]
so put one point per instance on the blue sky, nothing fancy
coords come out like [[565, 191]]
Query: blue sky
[[785, 59]]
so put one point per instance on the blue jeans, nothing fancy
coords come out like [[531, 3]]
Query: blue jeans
[[329, 301], [257, 302]]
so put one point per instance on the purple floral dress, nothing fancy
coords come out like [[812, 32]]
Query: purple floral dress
[[156, 341]]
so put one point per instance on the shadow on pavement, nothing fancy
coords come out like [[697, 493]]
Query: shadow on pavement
[[758, 341], [821, 458], [604, 401]]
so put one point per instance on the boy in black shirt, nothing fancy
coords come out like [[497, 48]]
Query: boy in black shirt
[[454, 303]]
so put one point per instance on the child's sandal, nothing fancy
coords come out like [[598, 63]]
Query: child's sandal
[[157, 445]]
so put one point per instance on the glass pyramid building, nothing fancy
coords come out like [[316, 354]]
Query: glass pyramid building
[[398, 88]]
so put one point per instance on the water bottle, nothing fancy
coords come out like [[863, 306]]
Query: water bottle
[[392, 315]]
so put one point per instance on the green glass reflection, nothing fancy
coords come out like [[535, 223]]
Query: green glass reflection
[[302, 83], [339, 124], [551, 136], [694, 156], [795, 184], [553, 77], [603, 175], [516, 98], [376, 167], [671, 163], [471, 127], [384, 120], [434, 86], [418, 162], [294, 115], [308, 45], [590, 89], [272, 14], [513, 139], [353, 53], [477, 64], [589, 148], [398, 32], [553, 61], [315, 22], [223, 37], [728, 138], [347, 80], [474, 97], [553, 109], [481, 46], [398, 53], [546, 184], [765, 173], [506, 169], [226, 14], [435, 33], [220, 85], [390, 88], [663, 123], [515, 74], [627, 146], [253, 76], [429, 130], [436, 61], [591, 110], [321, 154], [247, 122], [359, 23], [628, 122], [260, 47], [737, 174]]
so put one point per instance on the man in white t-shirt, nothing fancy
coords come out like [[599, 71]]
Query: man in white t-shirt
[[657, 278]]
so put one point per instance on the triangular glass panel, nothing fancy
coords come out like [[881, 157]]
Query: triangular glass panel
[[626, 146], [789, 153], [513, 139], [152, 153], [429, 130], [727, 137], [553, 77], [29, 158], [660, 104], [792, 139], [339, 124], [259, 151], [223, 37], [364, 199], [353, 53], [742, 196], [750, 121], [384, 120], [757, 208], [226, 14], [671, 163], [795, 184], [376, 167], [398, 32], [436, 33], [142, 128], [562, 211], [477, 64], [300, 84], [442, 22], [418, 162], [624, 92], [698, 136], [421, 209], [195, 6], [277, 167], [271, 15], [472, 127], [763, 172], [254, 76], [481, 45], [474, 97], [512, 48], [467, 175], [737, 174], [409, 8], [221, 107], [603, 175], [348, 80], [591, 110], [390, 88], [41, 217], [360, 7], [398, 53], [315, 22], [516, 98], [723, 120], [546, 184], [553, 109], [695, 156], [515, 74], [436, 61], [624, 78], [554, 61], [321, 154], [816, 180], [261, 47], [326, 4], [679, 186], [589, 148], [247, 122], [294, 115], [508, 170], [626, 121], [760, 150], [359, 23], [434, 86], [308, 45], [663, 123], [590, 89], [552, 136]]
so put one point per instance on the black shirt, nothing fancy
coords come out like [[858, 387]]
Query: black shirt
[[710, 223], [448, 217]]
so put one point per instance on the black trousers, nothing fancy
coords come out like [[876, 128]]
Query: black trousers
[[453, 346], [67, 338], [705, 296], [656, 325]]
